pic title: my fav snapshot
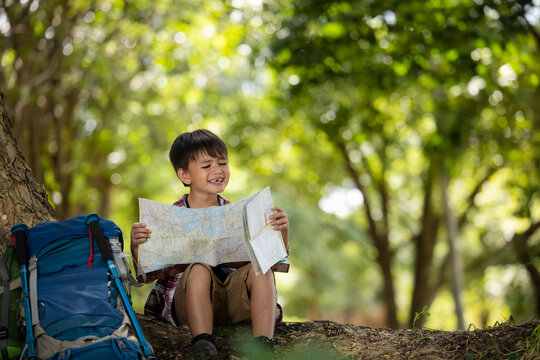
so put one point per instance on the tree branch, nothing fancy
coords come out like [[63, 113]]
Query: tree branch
[[383, 192], [533, 31], [380, 186], [354, 174], [470, 199]]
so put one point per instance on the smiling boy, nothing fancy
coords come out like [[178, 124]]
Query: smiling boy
[[204, 295]]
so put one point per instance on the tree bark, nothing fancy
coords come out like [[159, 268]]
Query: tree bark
[[523, 254], [22, 199], [424, 246], [456, 279]]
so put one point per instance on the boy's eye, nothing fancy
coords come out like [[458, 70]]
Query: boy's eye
[[223, 163], [206, 166]]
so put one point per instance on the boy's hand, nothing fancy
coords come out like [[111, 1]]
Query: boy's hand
[[139, 234], [280, 222]]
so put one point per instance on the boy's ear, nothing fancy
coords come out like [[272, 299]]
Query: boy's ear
[[183, 176]]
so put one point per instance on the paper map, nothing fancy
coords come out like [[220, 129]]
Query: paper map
[[237, 232]]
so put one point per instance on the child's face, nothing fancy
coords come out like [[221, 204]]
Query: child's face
[[206, 174]]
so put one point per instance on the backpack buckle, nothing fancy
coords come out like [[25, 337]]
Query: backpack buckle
[[3, 332], [121, 345]]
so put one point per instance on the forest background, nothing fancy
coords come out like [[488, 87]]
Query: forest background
[[401, 137]]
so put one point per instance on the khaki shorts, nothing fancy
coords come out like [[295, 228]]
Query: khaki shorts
[[230, 299]]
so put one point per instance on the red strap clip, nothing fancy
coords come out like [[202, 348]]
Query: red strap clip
[[91, 257]]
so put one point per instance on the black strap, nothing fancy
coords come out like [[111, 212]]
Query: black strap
[[103, 243], [22, 252]]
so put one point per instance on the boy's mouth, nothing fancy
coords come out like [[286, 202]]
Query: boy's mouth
[[216, 181]]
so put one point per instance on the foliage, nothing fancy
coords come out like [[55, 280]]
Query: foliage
[[409, 100], [402, 101], [533, 343], [424, 312]]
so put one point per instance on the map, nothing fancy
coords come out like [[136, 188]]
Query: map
[[233, 233]]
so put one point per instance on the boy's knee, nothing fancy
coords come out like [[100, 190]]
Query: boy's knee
[[267, 278], [198, 272]]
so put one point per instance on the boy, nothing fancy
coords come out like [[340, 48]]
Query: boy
[[204, 295]]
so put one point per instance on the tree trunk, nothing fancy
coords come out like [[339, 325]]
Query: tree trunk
[[22, 199], [455, 254], [523, 254], [424, 247], [384, 259]]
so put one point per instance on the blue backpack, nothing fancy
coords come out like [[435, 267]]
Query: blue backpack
[[75, 305]]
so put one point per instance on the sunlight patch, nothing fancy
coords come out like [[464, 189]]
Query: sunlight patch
[[341, 201]]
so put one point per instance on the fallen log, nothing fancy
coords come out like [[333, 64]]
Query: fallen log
[[329, 340]]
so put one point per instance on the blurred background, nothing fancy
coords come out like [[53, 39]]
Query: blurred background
[[400, 136]]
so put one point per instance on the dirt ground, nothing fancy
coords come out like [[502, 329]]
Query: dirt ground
[[329, 340]]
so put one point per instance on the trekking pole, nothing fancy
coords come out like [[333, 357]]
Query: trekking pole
[[106, 251], [20, 231]]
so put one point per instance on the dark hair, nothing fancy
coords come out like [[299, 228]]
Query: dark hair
[[187, 146]]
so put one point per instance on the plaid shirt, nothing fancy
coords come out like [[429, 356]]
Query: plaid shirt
[[160, 300]]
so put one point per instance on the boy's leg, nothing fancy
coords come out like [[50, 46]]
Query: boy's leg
[[263, 301], [197, 300]]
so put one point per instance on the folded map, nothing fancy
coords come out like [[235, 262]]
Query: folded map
[[231, 234]]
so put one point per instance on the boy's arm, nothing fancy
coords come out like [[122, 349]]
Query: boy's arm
[[280, 222], [139, 234]]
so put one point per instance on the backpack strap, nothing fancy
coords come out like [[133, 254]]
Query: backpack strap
[[13, 284], [32, 267], [5, 309], [20, 232], [140, 272], [121, 261]]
